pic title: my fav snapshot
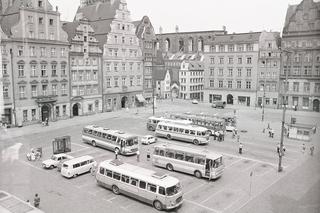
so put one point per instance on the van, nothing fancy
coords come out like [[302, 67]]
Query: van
[[78, 166], [219, 104]]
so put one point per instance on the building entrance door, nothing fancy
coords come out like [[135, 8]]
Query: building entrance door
[[75, 110], [316, 105], [124, 102], [45, 112], [229, 99]]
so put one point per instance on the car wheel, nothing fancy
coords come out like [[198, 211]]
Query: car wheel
[[51, 167], [197, 174], [115, 189], [169, 167], [168, 137], [157, 205], [94, 143], [195, 142]]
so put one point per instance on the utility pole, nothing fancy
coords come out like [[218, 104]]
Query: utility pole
[[285, 88], [264, 90]]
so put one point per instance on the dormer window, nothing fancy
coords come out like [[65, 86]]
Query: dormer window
[[40, 20], [40, 3]]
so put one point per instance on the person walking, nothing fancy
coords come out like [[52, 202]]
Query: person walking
[[240, 148], [303, 148], [138, 156], [311, 149], [148, 155], [36, 201], [278, 148], [116, 152]]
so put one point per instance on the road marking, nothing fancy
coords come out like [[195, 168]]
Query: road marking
[[211, 196], [111, 199], [83, 146], [193, 189], [250, 167], [200, 205]]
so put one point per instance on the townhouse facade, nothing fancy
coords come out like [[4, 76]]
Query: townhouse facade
[[300, 76], [231, 64], [85, 68], [122, 66], [145, 33], [35, 53]]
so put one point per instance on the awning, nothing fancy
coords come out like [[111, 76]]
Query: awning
[[140, 98]]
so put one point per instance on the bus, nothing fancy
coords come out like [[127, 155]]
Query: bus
[[114, 140], [153, 121], [160, 190], [10, 203], [211, 123], [229, 118], [200, 163], [188, 133]]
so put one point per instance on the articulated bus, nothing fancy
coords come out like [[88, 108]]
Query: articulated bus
[[213, 124], [115, 140], [201, 163], [160, 190], [188, 133], [153, 121]]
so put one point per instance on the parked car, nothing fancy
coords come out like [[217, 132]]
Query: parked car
[[195, 101], [148, 139], [219, 104], [55, 160]]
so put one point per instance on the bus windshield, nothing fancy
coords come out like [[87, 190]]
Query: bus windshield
[[173, 190], [132, 141], [217, 163]]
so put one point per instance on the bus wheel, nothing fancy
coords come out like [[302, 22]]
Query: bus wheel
[[115, 189], [94, 143], [196, 142], [197, 174], [169, 167], [168, 137], [157, 205]]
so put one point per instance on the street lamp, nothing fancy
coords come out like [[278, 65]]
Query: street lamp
[[264, 89], [284, 107]]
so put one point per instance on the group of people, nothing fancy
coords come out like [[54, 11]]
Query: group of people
[[311, 148], [45, 122], [36, 200], [116, 152], [218, 135]]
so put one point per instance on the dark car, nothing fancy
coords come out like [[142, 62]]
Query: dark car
[[219, 104]]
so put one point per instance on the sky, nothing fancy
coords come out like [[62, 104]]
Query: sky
[[237, 15]]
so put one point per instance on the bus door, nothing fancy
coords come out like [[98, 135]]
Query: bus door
[[208, 167]]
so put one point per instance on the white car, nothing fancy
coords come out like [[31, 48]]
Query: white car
[[55, 160], [195, 101], [148, 139]]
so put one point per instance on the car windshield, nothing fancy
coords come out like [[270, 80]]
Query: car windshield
[[65, 166], [173, 190]]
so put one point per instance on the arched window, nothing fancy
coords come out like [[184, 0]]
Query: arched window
[[200, 44], [181, 44], [167, 45], [190, 44]]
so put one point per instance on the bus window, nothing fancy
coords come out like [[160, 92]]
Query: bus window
[[181, 130], [198, 133], [85, 130], [192, 132], [142, 184], [156, 151], [90, 131], [125, 179], [187, 131], [170, 128], [94, 132], [179, 156], [108, 173], [161, 152], [204, 133], [170, 154], [76, 165], [118, 140], [165, 127], [104, 135], [175, 129], [84, 163], [162, 190], [99, 134], [101, 171], [189, 158], [152, 187], [109, 137], [113, 138], [133, 181], [159, 127], [116, 176], [199, 160]]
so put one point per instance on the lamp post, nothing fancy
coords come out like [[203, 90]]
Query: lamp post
[[284, 107], [264, 90]]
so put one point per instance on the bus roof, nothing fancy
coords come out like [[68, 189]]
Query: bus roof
[[78, 159], [110, 131], [173, 120], [193, 127], [207, 153], [140, 173], [199, 117]]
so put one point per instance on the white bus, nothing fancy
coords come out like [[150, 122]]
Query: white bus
[[78, 166], [115, 140], [160, 190], [188, 133], [153, 121], [201, 163]]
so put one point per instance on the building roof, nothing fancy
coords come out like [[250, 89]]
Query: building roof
[[235, 38], [70, 28], [195, 32], [100, 16]]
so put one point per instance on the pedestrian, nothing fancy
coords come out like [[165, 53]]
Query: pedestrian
[[278, 148], [36, 201], [240, 148], [138, 156], [148, 155], [311, 150], [303, 148], [268, 126], [116, 152], [272, 133], [28, 202], [238, 138]]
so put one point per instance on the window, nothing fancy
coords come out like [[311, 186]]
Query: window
[[116, 67], [51, 22], [116, 176], [221, 48], [81, 90], [249, 60], [142, 184], [22, 91], [74, 91], [239, 60], [138, 81], [239, 72], [248, 85], [20, 51], [238, 84], [51, 36], [296, 86], [212, 60], [211, 71], [32, 51], [220, 73], [53, 51], [248, 72], [220, 84], [63, 89], [54, 89], [57, 111], [63, 69], [54, 69], [229, 84], [64, 109], [211, 83], [43, 70], [40, 20], [274, 101], [108, 84], [230, 72], [305, 102], [152, 187], [33, 114], [42, 51], [230, 60], [131, 81], [123, 81], [30, 19], [116, 83], [230, 48], [44, 90], [62, 52], [95, 75], [221, 60], [4, 69], [25, 115], [40, 4], [249, 47], [161, 190], [21, 70], [306, 87], [240, 47], [5, 91], [34, 91]]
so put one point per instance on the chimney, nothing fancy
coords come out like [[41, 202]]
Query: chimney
[[177, 29]]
